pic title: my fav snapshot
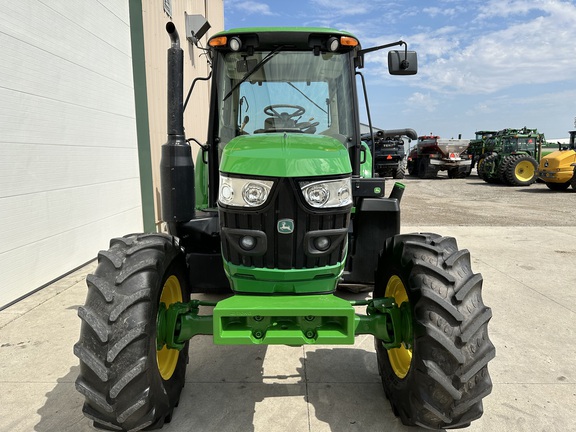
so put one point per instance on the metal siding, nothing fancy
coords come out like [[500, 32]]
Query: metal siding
[[68, 161]]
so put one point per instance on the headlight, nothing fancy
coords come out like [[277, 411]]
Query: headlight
[[241, 192], [327, 193]]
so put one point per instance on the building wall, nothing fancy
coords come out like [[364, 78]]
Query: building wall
[[69, 177], [156, 44]]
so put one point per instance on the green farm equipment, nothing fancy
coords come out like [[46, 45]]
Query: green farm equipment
[[477, 147], [280, 208], [511, 157]]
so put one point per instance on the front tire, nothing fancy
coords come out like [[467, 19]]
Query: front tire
[[440, 380], [128, 384], [480, 167], [489, 169], [399, 171]]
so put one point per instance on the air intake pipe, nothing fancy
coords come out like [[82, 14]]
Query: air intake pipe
[[176, 165], [391, 133]]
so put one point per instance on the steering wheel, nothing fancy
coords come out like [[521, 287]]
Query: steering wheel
[[287, 119], [271, 111]]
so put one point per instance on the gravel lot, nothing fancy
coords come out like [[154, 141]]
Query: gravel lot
[[471, 201]]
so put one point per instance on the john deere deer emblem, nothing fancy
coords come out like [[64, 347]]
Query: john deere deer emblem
[[285, 226]]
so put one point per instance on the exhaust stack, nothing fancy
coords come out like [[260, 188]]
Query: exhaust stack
[[176, 165]]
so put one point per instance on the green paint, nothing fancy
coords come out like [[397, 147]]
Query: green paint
[[201, 182], [180, 322], [142, 123], [285, 320], [288, 320], [273, 281], [285, 155], [366, 166]]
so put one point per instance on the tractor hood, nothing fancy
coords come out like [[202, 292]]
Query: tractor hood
[[285, 155]]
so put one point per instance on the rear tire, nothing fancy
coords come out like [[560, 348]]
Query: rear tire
[[521, 171], [456, 173], [127, 383], [411, 167], [558, 186], [439, 381], [425, 170], [503, 169], [573, 180]]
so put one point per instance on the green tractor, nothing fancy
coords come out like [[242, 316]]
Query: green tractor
[[280, 209], [511, 157], [477, 147]]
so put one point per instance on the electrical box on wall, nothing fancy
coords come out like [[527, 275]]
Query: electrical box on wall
[[196, 27]]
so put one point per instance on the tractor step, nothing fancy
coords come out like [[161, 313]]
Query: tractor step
[[285, 320]]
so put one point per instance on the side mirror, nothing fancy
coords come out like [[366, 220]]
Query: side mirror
[[402, 62]]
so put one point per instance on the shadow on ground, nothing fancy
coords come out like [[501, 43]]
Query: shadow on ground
[[62, 411]]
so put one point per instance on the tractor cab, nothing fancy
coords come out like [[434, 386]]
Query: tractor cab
[[297, 82], [302, 87], [571, 142]]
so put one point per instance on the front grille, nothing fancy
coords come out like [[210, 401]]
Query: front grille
[[283, 251]]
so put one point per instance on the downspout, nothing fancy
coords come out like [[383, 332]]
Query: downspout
[[141, 110]]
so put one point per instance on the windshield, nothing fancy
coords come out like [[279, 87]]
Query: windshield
[[291, 91], [514, 144]]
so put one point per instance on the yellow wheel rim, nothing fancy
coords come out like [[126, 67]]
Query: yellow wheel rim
[[400, 358], [167, 359], [524, 171]]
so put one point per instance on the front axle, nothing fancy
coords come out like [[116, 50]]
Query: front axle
[[285, 320]]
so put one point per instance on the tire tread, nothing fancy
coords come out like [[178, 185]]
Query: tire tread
[[448, 376], [116, 347]]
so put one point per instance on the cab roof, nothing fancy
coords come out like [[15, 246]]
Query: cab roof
[[299, 38]]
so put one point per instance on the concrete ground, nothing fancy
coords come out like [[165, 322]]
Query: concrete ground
[[529, 282]]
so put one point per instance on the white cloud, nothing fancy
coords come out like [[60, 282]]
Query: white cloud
[[343, 7], [425, 101], [251, 7], [536, 51], [482, 63], [506, 8], [434, 11]]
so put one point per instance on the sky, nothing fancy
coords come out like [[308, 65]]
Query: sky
[[482, 65]]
